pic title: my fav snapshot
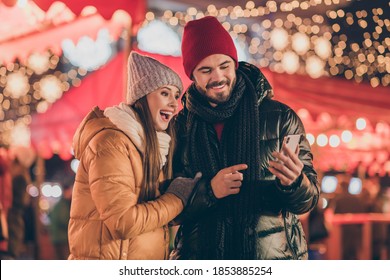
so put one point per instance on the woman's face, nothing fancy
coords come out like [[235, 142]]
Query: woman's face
[[163, 104]]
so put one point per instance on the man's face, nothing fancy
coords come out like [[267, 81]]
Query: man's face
[[215, 77]]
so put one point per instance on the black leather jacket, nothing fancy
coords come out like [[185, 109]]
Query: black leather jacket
[[279, 231]]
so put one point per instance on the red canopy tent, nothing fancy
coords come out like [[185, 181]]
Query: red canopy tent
[[333, 105], [24, 31]]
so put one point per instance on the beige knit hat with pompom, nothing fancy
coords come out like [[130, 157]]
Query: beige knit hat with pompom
[[145, 75]]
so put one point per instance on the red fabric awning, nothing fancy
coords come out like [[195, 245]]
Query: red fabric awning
[[336, 96]]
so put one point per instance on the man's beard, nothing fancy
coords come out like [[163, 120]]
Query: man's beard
[[220, 97]]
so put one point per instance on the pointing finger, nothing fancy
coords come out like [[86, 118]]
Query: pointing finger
[[235, 168]]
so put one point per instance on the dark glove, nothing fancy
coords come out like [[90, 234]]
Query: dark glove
[[183, 187]]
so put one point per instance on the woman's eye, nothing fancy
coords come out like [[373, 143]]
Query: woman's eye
[[177, 96], [164, 93]]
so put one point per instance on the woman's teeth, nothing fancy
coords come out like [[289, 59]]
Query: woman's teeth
[[165, 114]]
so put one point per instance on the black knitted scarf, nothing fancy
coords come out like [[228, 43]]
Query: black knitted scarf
[[229, 232]]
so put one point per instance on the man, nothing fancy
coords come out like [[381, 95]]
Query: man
[[228, 119]]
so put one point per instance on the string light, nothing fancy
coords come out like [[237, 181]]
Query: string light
[[41, 81], [361, 60]]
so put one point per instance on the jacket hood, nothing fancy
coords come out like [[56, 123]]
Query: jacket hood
[[92, 124]]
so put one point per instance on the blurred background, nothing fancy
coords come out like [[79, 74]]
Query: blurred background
[[327, 59]]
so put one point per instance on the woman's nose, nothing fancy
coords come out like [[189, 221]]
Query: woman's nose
[[173, 102]]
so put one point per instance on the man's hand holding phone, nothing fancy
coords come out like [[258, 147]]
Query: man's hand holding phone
[[287, 166]]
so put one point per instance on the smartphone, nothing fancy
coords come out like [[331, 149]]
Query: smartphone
[[292, 141]]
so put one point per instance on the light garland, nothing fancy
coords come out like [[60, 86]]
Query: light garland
[[274, 36], [327, 48], [33, 87]]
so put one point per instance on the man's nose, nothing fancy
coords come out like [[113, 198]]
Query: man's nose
[[217, 75]]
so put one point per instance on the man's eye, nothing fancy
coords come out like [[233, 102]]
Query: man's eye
[[224, 66], [206, 71]]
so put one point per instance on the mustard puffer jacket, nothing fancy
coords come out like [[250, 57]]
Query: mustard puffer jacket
[[106, 221]]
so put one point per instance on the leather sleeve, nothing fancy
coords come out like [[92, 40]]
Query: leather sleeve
[[201, 201], [303, 194]]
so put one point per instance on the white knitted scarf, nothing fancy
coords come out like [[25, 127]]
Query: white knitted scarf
[[124, 117]]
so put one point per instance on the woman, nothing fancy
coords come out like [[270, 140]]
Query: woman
[[117, 210]]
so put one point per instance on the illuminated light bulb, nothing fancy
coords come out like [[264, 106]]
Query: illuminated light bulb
[[17, 85], [279, 38], [21, 135], [329, 184], [310, 137], [300, 43], [192, 11], [46, 190], [355, 186], [39, 63], [51, 88], [361, 123], [322, 140], [346, 136], [334, 141], [33, 191], [56, 190], [149, 16], [290, 62], [323, 48], [315, 67]]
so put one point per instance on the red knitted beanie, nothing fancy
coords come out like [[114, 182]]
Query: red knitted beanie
[[204, 37]]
